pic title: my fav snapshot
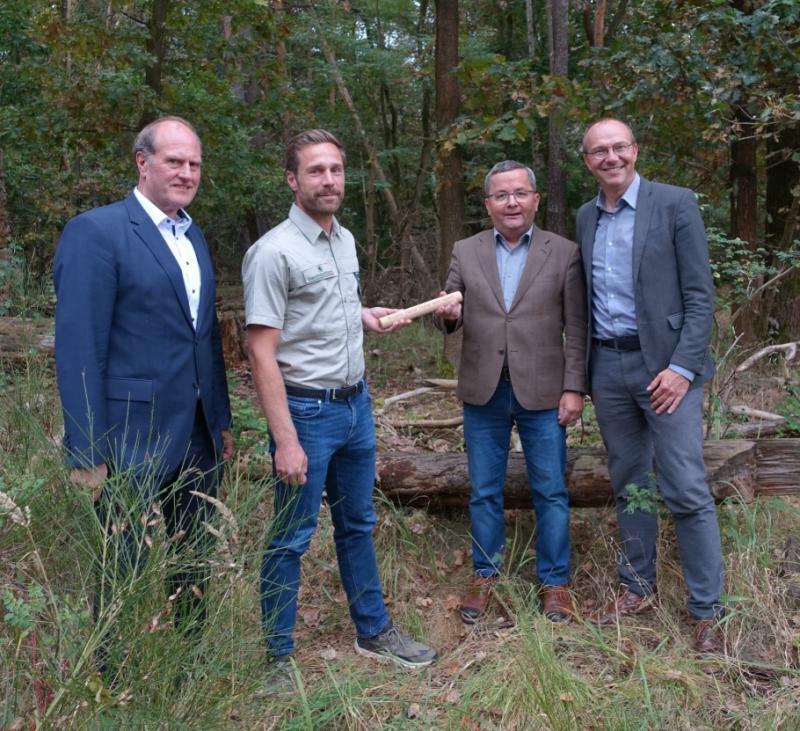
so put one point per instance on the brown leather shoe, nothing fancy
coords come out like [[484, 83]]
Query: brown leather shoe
[[557, 604], [475, 601], [624, 603], [707, 638]]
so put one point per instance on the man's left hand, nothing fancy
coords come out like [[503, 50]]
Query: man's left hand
[[227, 445], [370, 319], [570, 407], [667, 390]]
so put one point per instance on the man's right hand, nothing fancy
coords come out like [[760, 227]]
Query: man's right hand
[[291, 463], [448, 312], [91, 478]]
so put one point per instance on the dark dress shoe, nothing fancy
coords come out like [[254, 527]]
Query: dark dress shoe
[[476, 599], [707, 638], [557, 604], [623, 604]]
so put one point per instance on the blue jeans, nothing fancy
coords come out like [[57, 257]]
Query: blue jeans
[[339, 440], [487, 431]]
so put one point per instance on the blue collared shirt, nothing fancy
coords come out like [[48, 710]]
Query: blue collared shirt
[[613, 303], [510, 263], [613, 295]]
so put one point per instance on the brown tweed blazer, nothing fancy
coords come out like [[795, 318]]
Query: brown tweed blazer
[[543, 333]]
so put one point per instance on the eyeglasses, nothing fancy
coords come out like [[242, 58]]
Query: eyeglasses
[[519, 195], [603, 152]]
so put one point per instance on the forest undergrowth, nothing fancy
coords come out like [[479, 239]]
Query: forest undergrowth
[[639, 674]]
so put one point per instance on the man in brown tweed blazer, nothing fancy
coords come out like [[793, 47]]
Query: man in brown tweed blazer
[[522, 362]]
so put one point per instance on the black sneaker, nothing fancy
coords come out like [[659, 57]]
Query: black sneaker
[[395, 645]]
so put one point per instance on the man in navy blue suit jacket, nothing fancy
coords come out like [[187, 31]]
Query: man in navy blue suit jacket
[[138, 351]]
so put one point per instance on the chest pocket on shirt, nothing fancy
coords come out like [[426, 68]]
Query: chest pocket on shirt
[[318, 272], [311, 274]]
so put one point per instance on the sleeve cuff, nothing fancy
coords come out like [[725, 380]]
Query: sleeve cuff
[[682, 371]]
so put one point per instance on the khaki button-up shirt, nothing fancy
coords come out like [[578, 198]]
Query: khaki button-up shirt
[[306, 284]]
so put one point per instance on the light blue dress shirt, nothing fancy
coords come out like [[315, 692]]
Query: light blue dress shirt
[[613, 303], [613, 295], [510, 263]]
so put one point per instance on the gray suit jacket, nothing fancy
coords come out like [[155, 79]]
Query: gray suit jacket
[[671, 276], [544, 331]]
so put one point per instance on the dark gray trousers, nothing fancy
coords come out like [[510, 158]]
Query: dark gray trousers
[[634, 436]]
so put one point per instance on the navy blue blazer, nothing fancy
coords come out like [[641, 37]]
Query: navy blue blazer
[[129, 364], [672, 281]]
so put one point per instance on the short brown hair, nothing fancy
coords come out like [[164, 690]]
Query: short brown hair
[[145, 141], [304, 139]]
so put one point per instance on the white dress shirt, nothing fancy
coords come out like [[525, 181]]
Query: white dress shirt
[[174, 235]]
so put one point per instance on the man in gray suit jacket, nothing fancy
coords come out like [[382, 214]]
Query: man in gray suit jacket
[[523, 363], [651, 299]]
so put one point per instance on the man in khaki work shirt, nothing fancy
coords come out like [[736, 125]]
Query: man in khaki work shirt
[[305, 334]]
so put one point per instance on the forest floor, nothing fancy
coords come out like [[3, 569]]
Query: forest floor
[[639, 674], [537, 674]]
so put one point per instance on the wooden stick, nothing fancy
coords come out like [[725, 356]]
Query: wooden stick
[[450, 383], [402, 397], [423, 308]]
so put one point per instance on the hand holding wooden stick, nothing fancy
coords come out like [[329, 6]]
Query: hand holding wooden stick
[[423, 308]]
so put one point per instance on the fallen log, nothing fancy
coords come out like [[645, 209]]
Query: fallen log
[[22, 339], [736, 467]]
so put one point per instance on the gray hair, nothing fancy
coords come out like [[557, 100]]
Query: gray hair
[[504, 167], [600, 121], [145, 141]]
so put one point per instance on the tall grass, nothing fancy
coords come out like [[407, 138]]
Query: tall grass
[[637, 675]]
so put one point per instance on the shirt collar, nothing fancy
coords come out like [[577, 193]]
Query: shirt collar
[[525, 239], [308, 226], [630, 196], [184, 220]]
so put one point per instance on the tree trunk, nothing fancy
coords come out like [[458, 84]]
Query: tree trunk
[[157, 49], [5, 225], [735, 467], [530, 28], [744, 179], [556, 218], [156, 45], [744, 214], [783, 176], [450, 192]]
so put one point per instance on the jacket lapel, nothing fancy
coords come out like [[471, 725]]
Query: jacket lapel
[[538, 253], [644, 211], [146, 230], [487, 257], [206, 272]]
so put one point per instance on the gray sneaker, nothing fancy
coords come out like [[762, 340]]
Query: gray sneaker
[[279, 678], [395, 645]]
